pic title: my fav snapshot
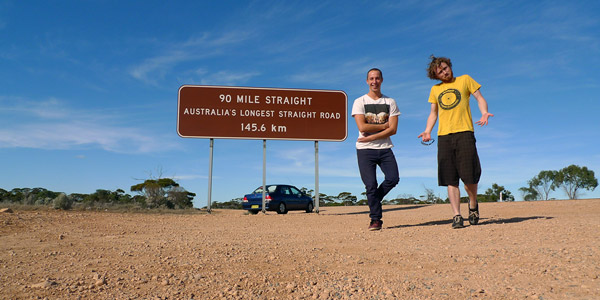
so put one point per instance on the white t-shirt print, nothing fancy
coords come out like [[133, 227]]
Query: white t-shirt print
[[376, 112]]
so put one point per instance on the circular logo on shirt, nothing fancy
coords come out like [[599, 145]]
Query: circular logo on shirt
[[449, 99]]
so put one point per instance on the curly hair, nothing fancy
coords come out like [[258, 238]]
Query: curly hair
[[434, 64]]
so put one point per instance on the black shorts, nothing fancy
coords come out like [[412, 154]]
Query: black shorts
[[458, 159]]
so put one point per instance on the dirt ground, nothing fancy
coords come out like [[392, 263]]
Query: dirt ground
[[520, 250]]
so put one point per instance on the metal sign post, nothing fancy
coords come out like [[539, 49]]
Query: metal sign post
[[210, 168], [264, 192], [317, 176]]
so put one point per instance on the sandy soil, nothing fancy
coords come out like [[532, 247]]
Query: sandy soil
[[522, 250]]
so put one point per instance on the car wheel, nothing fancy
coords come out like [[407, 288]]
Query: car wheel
[[281, 209], [309, 207]]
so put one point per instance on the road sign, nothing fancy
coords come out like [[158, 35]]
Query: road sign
[[261, 113]]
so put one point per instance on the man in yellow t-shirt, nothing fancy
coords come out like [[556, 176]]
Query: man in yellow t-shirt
[[457, 152]]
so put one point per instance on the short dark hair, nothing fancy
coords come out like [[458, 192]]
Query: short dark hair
[[375, 69], [434, 64]]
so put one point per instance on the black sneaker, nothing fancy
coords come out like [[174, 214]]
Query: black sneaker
[[474, 215], [457, 222], [375, 225]]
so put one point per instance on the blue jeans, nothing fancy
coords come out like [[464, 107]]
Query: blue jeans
[[368, 160]]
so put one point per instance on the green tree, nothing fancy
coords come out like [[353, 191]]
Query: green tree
[[404, 199], [180, 198], [31, 196], [364, 200], [235, 203], [76, 197], [307, 192], [574, 178], [42, 193], [529, 193], [325, 200], [39, 196], [15, 196], [164, 192], [3, 195], [139, 200], [155, 190], [493, 193], [100, 196], [121, 197], [347, 198], [544, 183], [430, 196], [105, 196]]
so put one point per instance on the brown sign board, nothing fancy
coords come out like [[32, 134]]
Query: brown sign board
[[261, 113]]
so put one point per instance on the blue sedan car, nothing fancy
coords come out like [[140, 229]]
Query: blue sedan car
[[278, 197]]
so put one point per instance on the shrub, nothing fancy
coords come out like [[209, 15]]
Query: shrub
[[63, 202]]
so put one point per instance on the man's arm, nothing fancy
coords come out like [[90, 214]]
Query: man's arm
[[390, 129], [363, 126], [483, 108], [433, 115]]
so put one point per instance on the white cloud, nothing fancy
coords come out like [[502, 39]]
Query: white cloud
[[77, 134], [51, 125], [156, 68], [191, 177], [228, 78], [50, 108]]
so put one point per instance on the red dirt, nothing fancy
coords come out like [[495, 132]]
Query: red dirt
[[520, 250]]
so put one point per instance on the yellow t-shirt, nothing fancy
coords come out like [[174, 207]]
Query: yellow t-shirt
[[454, 112]]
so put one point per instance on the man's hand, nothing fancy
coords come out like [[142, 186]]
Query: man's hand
[[426, 136], [484, 119], [366, 139]]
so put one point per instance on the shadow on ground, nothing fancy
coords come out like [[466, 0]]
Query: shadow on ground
[[481, 221], [366, 212]]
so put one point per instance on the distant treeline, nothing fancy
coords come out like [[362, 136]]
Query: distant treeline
[[572, 179], [159, 193], [166, 193], [347, 199]]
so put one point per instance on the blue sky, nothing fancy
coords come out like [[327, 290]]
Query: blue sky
[[88, 96]]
